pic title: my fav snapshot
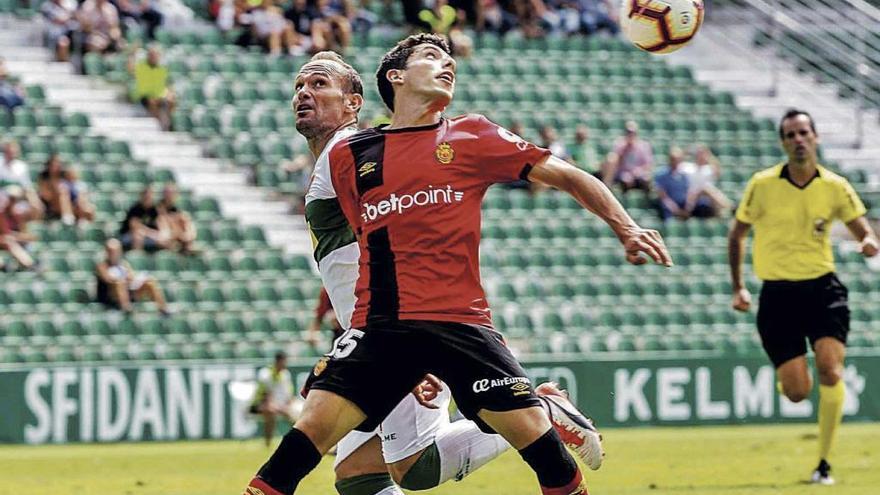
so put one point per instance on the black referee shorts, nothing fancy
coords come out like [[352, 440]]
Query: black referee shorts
[[791, 311], [378, 366]]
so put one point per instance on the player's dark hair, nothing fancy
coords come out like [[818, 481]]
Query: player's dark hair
[[352, 77], [280, 355], [397, 57], [792, 113]]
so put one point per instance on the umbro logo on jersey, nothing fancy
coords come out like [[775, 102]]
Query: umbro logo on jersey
[[366, 168], [399, 204]]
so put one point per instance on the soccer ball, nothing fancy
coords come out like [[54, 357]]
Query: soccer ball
[[661, 26]]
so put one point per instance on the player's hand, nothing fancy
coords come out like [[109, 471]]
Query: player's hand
[[742, 300], [427, 391], [869, 247], [639, 240]]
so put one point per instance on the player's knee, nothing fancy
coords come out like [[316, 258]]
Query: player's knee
[[829, 375]]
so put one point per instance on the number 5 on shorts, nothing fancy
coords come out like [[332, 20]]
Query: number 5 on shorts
[[345, 344]]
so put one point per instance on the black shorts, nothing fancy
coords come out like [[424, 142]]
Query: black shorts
[[378, 366], [789, 312]]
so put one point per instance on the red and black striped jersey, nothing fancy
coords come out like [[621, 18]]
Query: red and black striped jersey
[[413, 198]]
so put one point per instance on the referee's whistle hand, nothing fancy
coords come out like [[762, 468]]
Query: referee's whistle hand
[[742, 300], [869, 247]]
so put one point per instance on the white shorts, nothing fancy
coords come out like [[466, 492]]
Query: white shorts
[[409, 429]]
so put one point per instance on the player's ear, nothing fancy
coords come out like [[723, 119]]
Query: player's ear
[[394, 76], [354, 102]]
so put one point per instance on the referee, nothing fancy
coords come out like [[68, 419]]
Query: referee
[[791, 206]]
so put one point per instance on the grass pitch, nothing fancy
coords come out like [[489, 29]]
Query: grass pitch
[[641, 461]]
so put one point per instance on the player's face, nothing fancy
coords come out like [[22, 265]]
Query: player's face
[[318, 98], [799, 139], [431, 72]]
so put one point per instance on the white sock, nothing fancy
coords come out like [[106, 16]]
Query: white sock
[[463, 449]]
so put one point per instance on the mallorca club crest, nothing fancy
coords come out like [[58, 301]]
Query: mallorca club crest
[[444, 153], [320, 366]]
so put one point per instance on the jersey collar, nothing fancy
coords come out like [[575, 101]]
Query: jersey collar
[[783, 174], [430, 127]]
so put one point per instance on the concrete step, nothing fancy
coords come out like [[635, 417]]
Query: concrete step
[[87, 94], [103, 108], [255, 208], [14, 53], [166, 150], [213, 181], [123, 127]]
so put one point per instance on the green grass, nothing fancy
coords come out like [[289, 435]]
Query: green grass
[[688, 461]]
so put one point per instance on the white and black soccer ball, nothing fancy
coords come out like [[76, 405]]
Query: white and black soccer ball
[[661, 26]]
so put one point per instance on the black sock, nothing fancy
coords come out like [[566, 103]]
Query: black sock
[[551, 462], [291, 462]]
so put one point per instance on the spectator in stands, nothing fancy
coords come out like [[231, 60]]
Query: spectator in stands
[[673, 185], [14, 172], [118, 284], [323, 310], [274, 395], [180, 224], [13, 237], [561, 16], [270, 29], [144, 227], [448, 21], [634, 163], [528, 16], [99, 21], [61, 22], [311, 35], [550, 140], [597, 15], [152, 86], [11, 94], [495, 17], [140, 12], [585, 155], [704, 173], [62, 194], [335, 16]]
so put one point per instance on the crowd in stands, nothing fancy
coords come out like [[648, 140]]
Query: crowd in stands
[[682, 189], [97, 26], [59, 195], [308, 26]]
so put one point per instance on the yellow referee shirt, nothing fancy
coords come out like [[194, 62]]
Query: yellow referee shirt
[[793, 224]]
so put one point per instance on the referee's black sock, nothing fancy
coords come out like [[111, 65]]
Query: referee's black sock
[[557, 470], [294, 458]]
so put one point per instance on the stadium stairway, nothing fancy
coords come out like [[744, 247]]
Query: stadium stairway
[[724, 57], [113, 116]]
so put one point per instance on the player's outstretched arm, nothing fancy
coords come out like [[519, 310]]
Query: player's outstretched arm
[[742, 299], [862, 231], [595, 196]]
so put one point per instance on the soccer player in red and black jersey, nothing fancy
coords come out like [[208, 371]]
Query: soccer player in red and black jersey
[[412, 192]]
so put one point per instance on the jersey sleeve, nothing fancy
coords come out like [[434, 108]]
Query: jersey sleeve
[[749, 209], [341, 165], [849, 206], [504, 156]]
